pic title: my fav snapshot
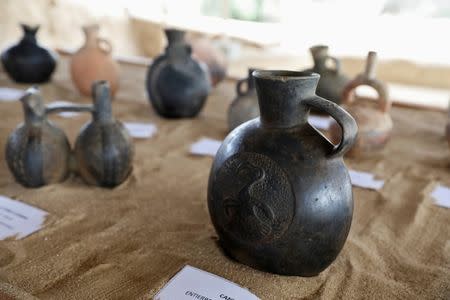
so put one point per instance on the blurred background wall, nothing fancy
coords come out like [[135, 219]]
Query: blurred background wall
[[409, 35]]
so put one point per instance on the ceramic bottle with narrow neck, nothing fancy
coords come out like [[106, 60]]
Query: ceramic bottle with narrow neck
[[177, 85], [37, 152], [332, 80], [104, 150], [27, 61]]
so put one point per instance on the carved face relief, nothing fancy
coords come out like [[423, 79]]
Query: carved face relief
[[253, 199]]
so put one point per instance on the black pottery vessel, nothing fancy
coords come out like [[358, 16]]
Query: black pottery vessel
[[37, 152], [176, 84], [27, 62], [332, 81], [279, 194], [245, 106], [104, 150]]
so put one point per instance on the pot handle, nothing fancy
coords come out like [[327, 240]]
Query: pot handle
[[337, 63], [342, 117], [368, 78], [239, 86], [104, 45]]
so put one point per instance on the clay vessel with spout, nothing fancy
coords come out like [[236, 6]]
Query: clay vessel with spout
[[37, 152], [374, 120], [103, 149]]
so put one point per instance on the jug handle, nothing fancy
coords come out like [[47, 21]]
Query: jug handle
[[337, 63], [343, 118], [239, 84], [348, 94], [104, 45]]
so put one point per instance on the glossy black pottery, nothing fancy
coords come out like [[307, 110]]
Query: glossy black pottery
[[332, 81], [245, 106], [37, 152], [176, 83], [279, 194], [104, 150], [27, 62]]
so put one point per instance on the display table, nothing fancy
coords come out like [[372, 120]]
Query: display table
[[127, 242]]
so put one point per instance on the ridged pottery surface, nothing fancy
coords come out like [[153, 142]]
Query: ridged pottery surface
[[104, 150], [279, 194], [37, 152], [92, 62]]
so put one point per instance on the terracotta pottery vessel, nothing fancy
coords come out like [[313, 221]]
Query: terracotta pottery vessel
[[375, 123], [245, 106], [37, 152], [27, 62], [103, 149], [93, 61], [279, 194], [332, 81], [177, 85]]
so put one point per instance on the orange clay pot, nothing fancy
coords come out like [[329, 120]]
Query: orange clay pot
[[93, 61]]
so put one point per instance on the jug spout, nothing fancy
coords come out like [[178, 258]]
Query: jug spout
[[102, 101], [280, 96]]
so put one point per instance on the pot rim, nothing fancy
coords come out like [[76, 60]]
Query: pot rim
[[284, 75]]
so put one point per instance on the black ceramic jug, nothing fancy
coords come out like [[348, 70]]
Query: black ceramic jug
[[37, 152], [245, 106], [279, 194], [27, 62], [104, 150], [332, 81], [176, 83]]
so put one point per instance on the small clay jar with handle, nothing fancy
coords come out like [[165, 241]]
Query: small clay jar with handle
[[332, 81], [374, 123], [103, 150], [245, 106], [93, 61], [37, 152]]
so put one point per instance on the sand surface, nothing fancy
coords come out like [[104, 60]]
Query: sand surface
[[126, 243]]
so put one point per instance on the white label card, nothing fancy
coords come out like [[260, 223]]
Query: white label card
[[320, 122], [206, 146], [192, 284], [18, 219], [141, 130], [365, 180], [10, 94], [441, 196], [64, 114]]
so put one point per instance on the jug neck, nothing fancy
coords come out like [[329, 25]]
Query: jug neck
[[280, 96], [319, 54], [102, 102], [29, 33], [91, 35]]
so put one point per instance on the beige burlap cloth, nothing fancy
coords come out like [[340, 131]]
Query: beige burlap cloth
[[126, 243]]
